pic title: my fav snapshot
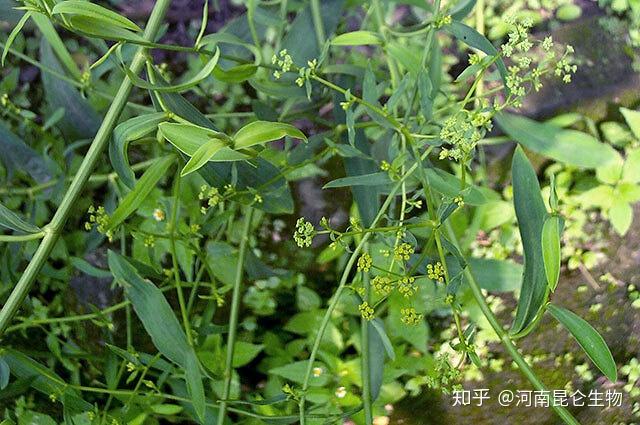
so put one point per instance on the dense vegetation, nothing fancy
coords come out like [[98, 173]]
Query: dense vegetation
[[298, 216]]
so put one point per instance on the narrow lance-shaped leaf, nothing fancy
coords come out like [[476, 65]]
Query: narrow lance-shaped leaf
[[49, 32], [551, 250], [188, 138], [202, 155], [126, 132], [373, 179], [97, 28], [357, 38], [141, 190], [261, 132], [14, 33], [589, 339], [176, 88], [531, 214], [94, 11], [12, 221], [161, 324]]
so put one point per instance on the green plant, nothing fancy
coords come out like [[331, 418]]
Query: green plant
[[401, 132]]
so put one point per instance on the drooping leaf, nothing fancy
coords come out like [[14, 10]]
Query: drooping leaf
[[376, 359], [141, 190], [12, 221], [551, 250], [4, 374], [51, 36], [161, 324], [531, 214], [126, 132], [94, 11], [261, 132], [462, 9], [357, 38], [202, 155], [621, 216], [568, 146], [589, 339], [15, 153], [98, 28]]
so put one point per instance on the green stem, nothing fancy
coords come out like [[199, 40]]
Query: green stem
[[366, 365], [233, 318], [100, 141], [317, 23], [21, 238]]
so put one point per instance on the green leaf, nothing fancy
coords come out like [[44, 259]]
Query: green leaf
[[473, 38], [202, 155], [531, 214], [589, 339], [568, 146], [94, 11], [126, 132], [245, 352], [49, 32], [12, 221], [296, 371], [4, 374], [261, 132], [551, 250], [98, 28], [449, 185], [633, 120], [376, 359], [631, 167], [14, 33], [373, 179], [496, 275], [161, 324], [140, 191], [621, 216], [357, 38], [188, 138], [377, 325], [462, 9], [568, 12], [177, 88]]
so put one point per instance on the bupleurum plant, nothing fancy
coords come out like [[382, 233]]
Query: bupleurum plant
[[181, 223]]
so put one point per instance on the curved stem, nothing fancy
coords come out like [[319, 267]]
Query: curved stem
[[53, 230], [233, 318]]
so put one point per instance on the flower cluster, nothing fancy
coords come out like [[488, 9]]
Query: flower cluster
[[403, 252], [365, 262], [445, 376], [442, 20], [284, 61], [407, 286], [382, 285], [99, 218], [435, 272], [305, 73], [366, 311], [410, 317], [210, 196], [463, 131], [304, 233]]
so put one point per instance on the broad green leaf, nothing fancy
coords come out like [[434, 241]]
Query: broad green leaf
[[43, 380], [126, 132], [551, 250], [378, 326], [161, 324], [473, 38], [202, 155], [450, 185], [177, 88], [589, 339], [568, 146], [374, 179], [12, 221], [357, 38], [49, 32], [621, 216], [261, 132], [531, 214], [14, 33], [631, 167], [141, 190], [295, 372], [405, 56], [94, 11], [568, 12], [496, 275], [16, 154], [633, 120], [188, 138], [245, 352]]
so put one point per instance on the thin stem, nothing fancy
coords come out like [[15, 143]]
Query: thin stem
[[100, 141], [21, 238], [233, 318], [316, 14], [366, 364]]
